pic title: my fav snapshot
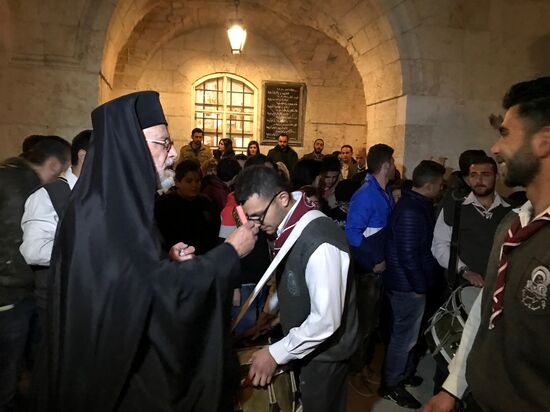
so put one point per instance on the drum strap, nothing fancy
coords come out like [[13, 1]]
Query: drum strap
[[292, 238], [453, 278]]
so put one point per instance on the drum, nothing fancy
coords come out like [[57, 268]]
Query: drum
[[281, 395], [446, 325]]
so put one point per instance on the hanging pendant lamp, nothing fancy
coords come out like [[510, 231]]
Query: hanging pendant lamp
[[236, 32]]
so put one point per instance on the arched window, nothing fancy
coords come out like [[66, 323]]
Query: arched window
[[225, 107]]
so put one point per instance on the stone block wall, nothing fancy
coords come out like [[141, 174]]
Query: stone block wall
[[469, 53], [335, 113], [42, 100], [421, 75]]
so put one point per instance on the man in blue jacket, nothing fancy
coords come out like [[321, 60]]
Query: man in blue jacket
[[411, 273], [369, 209], [368, 214]]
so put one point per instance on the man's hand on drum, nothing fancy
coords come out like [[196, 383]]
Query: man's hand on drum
[[442, 402], [262, 368], [474, 278]]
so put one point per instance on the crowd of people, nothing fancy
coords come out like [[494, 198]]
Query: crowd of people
[[122, 265]]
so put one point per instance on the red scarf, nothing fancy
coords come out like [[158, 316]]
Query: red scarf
[[303, 206]]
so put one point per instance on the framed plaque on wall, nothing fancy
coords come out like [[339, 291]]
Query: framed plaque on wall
[[283, 112]]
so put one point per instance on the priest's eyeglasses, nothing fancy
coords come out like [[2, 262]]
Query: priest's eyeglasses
[[167, 143], [260, 218]]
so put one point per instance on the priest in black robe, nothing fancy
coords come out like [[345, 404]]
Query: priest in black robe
[[129, 330]]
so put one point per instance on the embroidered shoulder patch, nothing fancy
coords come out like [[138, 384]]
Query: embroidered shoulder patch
[[535, 292]]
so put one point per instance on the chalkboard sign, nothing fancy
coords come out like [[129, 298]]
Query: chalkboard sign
[[283, 112]]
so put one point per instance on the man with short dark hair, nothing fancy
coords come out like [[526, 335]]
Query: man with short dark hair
[[43, 210], [282, 152], [503, 356], [315, 291], [480, 213], [411, 274], [130, 321], [369, 209], [43, 207], [196, 149], [317, 154], [228, 214], [33, 139], [348, 164], [458, 183], [19, 177], [457, 186], [253, 265], [368, 213]]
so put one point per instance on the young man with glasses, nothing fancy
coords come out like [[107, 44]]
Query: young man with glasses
[[315, 294]]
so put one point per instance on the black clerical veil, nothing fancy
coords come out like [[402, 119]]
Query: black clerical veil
[[128, 330]]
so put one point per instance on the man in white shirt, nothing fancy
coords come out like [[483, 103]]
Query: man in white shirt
[[480, 213], [40, 218], [42, 214], [43, 159], [503, 356], [315, 294]]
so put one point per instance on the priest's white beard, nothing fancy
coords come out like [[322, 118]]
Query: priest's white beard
[[166, 175], [166, 181]]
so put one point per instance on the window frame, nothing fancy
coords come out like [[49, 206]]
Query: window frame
[[225, 112]]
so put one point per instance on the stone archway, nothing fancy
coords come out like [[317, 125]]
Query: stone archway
[[365, 29], [430, 72]]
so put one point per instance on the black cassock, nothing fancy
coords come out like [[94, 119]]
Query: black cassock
[[129, 331]]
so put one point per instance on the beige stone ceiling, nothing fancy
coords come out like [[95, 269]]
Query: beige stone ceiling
[[310, 33], [319, 59], [431, 70]]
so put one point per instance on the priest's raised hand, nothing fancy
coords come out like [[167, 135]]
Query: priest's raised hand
[[244, 238]]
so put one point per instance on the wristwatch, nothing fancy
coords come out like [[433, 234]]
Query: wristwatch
[[463, 270]]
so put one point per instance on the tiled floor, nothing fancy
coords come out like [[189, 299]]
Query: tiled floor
[[358, 403]]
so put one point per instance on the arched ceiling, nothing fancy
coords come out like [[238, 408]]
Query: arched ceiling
[[317, 58], [306, 31]]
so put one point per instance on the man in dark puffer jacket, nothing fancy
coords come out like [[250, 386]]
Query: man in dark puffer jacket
[[411, 273]]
